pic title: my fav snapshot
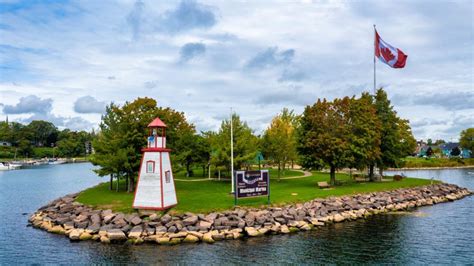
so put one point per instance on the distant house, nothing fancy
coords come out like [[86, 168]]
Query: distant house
[[5, 143], [447, 148], [421, 148]]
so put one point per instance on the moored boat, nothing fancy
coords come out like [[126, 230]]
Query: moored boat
[[4, 167]]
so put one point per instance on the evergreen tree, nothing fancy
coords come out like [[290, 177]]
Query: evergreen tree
[[245, 144]]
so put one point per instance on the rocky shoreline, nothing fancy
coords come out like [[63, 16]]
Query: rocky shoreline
[[79, 222]]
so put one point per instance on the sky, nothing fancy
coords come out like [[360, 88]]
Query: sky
[[64, 61]]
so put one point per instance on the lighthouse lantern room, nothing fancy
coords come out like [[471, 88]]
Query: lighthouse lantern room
[[155, 187]]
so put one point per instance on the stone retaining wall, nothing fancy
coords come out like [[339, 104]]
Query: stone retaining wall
[[79, 222]]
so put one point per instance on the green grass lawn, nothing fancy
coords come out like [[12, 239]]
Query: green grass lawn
[[414, 162], [208, 196]]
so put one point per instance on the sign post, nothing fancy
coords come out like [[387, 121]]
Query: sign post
[[249, 184]]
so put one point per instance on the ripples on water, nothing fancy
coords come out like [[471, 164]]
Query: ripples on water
[[441, 234]]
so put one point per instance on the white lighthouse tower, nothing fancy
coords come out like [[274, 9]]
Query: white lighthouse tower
[[155, 187]]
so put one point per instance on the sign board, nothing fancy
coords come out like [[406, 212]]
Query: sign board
[[252, 184]]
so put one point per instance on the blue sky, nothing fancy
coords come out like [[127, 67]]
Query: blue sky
[[65, 60]]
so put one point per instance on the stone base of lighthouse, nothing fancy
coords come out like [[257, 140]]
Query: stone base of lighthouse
[[155, 187]]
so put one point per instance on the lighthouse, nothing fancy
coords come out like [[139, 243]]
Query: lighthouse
[[155, 187]]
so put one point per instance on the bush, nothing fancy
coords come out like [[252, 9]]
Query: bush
[[41, 152], [7, 152]]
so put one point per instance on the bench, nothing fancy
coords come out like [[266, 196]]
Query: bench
[[323, 184]]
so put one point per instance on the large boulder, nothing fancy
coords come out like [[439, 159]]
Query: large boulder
[[338, 218], [166, 218], [136, 232], [75, 234], [136, 220], [207, 237], [95, 219], [163, 240], [204, 225], [251, 231], [85, 236], [192, 220], [116, 235], [191, 239]]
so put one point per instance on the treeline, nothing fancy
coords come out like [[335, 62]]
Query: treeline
[[40, 139], [352, 132]]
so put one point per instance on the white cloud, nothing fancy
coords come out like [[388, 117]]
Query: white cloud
[[88, 105], [118, 51]]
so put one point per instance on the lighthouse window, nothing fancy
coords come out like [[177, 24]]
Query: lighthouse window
[[167, 176], [150, 166]]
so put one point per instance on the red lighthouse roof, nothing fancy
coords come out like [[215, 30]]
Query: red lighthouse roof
[[157, 123]]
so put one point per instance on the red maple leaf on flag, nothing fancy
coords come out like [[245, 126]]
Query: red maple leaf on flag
[[387, 54]]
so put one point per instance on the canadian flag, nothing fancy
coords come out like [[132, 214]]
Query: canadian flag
[[388, 54]]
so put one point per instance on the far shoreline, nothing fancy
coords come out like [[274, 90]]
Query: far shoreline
[[431, 168]]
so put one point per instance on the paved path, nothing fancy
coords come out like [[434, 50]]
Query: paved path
[[305, 174], [195, 180]]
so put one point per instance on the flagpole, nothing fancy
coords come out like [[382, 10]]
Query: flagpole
[[232, 150], [374, 59]]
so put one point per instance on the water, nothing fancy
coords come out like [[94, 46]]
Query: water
[[440, 234]]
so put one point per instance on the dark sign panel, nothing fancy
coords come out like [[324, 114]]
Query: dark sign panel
[[252, 183]]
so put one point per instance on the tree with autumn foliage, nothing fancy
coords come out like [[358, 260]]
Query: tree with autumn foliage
[[325, 135], [354, 132], [279, 140]]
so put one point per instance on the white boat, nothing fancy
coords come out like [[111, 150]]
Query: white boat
[[40, 162], [57, 161], [14, 166], [4, 167]]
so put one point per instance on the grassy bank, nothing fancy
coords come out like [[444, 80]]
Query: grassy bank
[[207, 196], [416, 162]]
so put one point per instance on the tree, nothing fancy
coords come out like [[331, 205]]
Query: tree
[[397, 140], [72, 143], [466, 139], [364, 133], [279, 140], [325, 135], [123, 133], [245, 144], [44, 133]]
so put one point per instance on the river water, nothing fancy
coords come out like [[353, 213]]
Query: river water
[[439, 234]]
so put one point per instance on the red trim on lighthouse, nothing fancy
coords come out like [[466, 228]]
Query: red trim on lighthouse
[[155, 149]]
